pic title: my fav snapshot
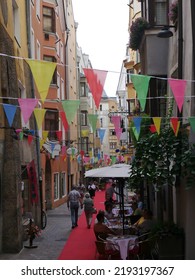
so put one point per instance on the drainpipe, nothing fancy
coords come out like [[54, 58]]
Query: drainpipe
[[28, 19], [193, 43], [65, 6]]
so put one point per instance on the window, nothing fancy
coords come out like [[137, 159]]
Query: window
[[112, 132], [63, 184], [56, 186], [82, 89], [161, 12], [84, 144], [101, 122], [62, 52], [48, 19], [52, 59], [113, 145], [51, 123], [84, 118], [16, 18], [38, 8], [100, 107], [158, 12]]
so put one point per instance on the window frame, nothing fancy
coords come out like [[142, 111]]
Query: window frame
[[52, 28]]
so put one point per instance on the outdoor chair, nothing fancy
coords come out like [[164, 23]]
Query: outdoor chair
[[106, 251], [148, 248]]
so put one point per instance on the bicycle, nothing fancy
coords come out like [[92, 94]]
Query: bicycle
[[43, 219]]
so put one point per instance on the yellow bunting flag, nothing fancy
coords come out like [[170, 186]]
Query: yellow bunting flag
[[39, 116], [157, 123], [42, 141], [84, 132], [42, 72], [45, 134]]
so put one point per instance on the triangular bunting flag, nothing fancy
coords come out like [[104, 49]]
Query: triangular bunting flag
[[102, 133], [152, 128], [64, 120], [93, 121], [39, 116], [135, 133], [52, 147], [10, 111], [84, 132], [45, 134], [192, 123], [27, 106], [118, 131], [137, 122], [42, 73], [30, 138], [70, 108], [178, 88], [41, 142], [63, 150], [116, 120], [174, 124], [157, 122], [141, 84], [95, 80], [59, 135]]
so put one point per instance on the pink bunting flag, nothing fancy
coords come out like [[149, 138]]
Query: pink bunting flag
[[63, 150], [96, 80], [118, 132], [178, 88], [27, 106], [116, 120]]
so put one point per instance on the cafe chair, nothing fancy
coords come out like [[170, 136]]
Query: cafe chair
[[148, 248], [105, 250], [133, 250]]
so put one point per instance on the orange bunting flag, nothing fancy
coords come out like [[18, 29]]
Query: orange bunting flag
[[175, 123]]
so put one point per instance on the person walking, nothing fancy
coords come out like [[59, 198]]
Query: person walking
[[92, 189], [88, 208], [74, 198]]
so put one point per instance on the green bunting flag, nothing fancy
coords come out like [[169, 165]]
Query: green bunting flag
[[141, 84]]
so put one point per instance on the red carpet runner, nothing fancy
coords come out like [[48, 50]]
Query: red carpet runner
[[81, 242]]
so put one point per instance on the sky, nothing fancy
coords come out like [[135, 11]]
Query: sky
[[103, 34]]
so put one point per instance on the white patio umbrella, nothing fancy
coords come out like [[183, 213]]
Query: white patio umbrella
[[120, 170]]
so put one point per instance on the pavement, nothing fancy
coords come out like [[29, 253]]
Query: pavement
[[52, 239]]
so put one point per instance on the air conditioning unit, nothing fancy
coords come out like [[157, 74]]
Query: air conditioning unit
[[46, 36]]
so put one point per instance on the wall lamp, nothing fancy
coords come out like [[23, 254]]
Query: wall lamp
[[165, 32]]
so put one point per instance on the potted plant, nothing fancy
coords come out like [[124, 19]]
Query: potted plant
[[173, 12], [32, 232], [136, 32]]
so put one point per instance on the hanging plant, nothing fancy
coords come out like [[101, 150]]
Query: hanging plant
[[136, 32], [173, 11]]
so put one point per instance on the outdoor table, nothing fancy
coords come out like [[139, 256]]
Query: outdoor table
[[123, 243]]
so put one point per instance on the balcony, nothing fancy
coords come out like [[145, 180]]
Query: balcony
[[154, 53]]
